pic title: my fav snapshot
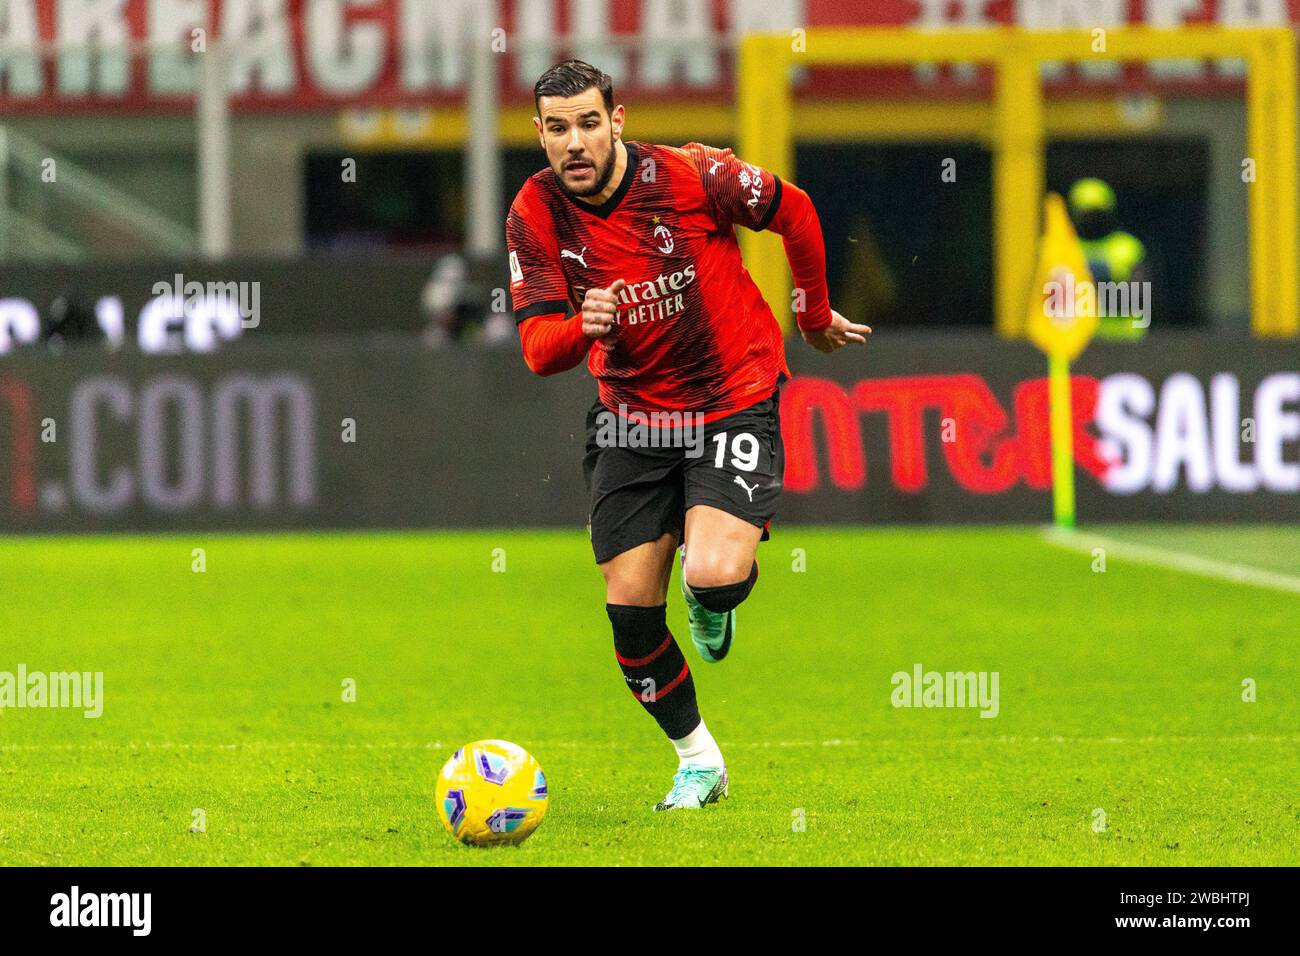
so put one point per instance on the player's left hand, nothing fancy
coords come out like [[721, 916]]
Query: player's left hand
[[838, 334]]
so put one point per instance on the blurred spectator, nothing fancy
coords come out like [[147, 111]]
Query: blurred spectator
[[70, 320], [870, 292], [460, 303], [1113, 255]]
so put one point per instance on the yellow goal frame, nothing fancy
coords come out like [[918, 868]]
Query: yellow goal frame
[[765, 136]]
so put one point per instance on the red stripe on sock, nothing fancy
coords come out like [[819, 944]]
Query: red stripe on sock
[[642, 661], [661, 694]]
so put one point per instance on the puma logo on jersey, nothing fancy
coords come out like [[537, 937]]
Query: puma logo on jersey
[[748, 490], [580, 256]]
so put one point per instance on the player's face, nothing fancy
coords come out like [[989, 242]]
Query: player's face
[[578, 136]]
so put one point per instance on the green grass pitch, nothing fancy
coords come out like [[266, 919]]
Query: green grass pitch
[[1119, 691]]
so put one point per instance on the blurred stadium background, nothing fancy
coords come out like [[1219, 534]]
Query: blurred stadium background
[[252, 279], [334, 175]]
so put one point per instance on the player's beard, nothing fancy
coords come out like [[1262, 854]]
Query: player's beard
[[603, 176]]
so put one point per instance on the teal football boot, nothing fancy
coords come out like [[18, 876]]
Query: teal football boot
[[695, 786], [711, 631]]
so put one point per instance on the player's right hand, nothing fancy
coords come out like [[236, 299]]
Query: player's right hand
[[600, 310]]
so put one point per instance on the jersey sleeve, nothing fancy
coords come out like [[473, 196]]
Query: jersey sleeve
[[736, 193], [537, 284]]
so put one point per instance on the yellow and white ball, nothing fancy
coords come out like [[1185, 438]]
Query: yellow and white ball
[[491, 792]]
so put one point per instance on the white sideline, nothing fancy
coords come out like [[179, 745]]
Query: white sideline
[[1174, 560]]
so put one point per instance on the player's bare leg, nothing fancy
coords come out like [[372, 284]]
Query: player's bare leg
[[636, 589], [718, 572], [639, 577]]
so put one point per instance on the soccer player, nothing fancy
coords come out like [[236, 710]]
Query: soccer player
[[625, 254]]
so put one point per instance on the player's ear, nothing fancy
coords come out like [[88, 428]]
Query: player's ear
[[541, 137], [616, 120]]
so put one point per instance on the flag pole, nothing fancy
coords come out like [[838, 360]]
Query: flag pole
[[1062, 423], [1062, 319]]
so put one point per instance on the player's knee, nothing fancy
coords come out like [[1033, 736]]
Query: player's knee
[[720, 598], [715, 569], [633, 591]]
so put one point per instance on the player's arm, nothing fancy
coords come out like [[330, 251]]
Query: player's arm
[[555, 343], [741, 194], [553, 340], [800, 229]]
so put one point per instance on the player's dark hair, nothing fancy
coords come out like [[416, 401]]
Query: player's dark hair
[[571, 78]]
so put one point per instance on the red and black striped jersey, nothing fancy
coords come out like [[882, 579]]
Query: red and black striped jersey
[[693, 332]]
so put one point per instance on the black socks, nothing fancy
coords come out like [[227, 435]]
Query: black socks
[[654, 668]]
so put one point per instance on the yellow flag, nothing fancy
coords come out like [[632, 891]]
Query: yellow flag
[[1063, 302]]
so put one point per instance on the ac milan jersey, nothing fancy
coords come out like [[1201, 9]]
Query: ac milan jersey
[[693, 333]]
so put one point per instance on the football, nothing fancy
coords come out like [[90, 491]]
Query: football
[[491, 792]]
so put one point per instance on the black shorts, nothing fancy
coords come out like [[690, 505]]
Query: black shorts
[[643, 479]]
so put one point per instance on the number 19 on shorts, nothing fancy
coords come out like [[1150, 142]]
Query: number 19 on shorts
[[744, 451]]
